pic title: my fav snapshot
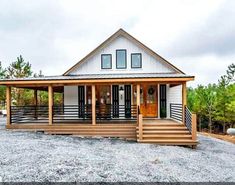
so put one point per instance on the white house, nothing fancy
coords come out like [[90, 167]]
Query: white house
[[118, 87]]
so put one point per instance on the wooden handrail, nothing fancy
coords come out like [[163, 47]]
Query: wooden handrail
[[194, 127]]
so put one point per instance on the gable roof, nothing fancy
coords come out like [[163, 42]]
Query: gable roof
[[123, 33]]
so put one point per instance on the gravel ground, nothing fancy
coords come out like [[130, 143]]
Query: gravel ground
[[28, 156]]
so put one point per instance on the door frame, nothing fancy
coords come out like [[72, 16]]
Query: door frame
[[145, 88]]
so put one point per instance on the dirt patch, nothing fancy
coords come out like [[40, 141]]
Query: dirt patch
[[220, 136]]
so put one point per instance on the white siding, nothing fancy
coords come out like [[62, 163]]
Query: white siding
[[174, 95], [70, 95], [149, 63]]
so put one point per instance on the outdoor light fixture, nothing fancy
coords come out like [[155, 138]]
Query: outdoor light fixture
[[121, 88]]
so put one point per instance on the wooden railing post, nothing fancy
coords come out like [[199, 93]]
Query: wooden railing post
[[194, 127], [138, 95], [184, 100], [35, 104], [50, 104], [8, 98], [140, 121], [93, 105]]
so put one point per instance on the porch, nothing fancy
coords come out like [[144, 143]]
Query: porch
[[148, 111]]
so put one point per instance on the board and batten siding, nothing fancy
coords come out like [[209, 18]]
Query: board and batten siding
[[149, 63], [174, 95]]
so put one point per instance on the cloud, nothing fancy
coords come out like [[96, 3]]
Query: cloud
[[211, 36], [54, 35]]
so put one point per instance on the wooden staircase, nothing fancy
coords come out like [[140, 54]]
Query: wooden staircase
[[165, 133]]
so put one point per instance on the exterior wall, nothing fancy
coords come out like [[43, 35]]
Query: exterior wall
[[149, 63], [70, 95], [174, 95]]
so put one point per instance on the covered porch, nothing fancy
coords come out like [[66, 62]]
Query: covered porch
[[103, 107], [101, 103]]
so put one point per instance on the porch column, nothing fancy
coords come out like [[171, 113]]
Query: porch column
[[50, 104], [184, 100], [35, 103], [93, 105], [8, 98], [138, 95]]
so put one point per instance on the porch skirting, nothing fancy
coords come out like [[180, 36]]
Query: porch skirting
[[121, 130]]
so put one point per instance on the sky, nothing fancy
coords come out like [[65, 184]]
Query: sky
[[197, 36]]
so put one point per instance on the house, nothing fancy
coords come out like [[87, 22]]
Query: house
[[120, 89]]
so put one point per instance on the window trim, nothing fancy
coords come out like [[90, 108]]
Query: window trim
[[125, 59], [140, 60], [102, 67]]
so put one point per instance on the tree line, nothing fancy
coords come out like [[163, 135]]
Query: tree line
[[214, 104], [23, 96]]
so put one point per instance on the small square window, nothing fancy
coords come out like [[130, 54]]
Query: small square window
[[136, 60], [106, 61], [121, 59]]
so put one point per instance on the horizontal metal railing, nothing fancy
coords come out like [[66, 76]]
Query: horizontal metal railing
[[71, 113], [29, 114], [176, 111], [116, 112]]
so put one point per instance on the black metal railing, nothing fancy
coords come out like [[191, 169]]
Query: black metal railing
[[116, 112], [188, 118], [176, 111], [71, 112], [29, 114]]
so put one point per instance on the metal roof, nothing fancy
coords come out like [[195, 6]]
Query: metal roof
[[103, 76]]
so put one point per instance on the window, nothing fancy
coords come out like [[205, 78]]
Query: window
[[136, 60], [121, 59], [106, 61]]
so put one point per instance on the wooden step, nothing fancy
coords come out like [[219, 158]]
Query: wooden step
[[164, 128], [163, 124], [164, 132], [169, 141], [169, 136]]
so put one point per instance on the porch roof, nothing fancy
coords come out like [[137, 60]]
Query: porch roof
[[128, 77]]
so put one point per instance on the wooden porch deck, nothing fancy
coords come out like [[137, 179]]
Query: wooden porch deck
[[159, 131]]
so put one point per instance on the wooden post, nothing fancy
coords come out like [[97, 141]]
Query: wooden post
[[184, 100], [138, 95], [35, 104], [93, 105], [50, 104], [140, 127], [8, 98], [194, 127]]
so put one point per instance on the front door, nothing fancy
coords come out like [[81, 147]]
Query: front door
[[148, 100]]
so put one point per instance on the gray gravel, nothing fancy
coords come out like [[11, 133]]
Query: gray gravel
[[28, 156]]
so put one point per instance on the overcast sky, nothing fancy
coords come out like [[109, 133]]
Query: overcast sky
[[198, 36]]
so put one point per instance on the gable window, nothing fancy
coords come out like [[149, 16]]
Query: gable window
[[106, 61], [121, 59], [136, 60]]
